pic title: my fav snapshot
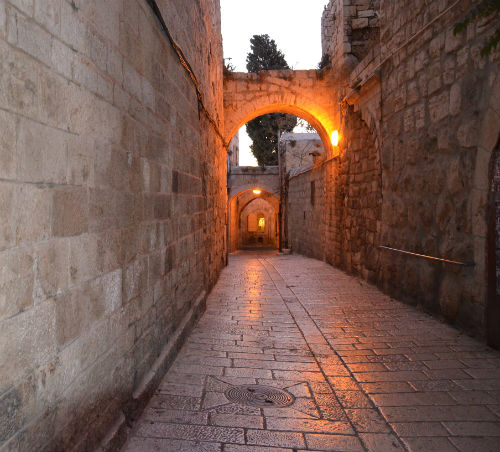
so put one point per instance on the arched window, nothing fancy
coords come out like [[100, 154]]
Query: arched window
[[261, 222]]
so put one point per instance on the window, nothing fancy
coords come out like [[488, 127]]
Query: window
[[261, 225]]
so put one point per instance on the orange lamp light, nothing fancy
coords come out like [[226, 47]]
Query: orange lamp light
[[256, 191], [335, 137]]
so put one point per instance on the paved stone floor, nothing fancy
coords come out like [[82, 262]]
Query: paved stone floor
[[367, 373]]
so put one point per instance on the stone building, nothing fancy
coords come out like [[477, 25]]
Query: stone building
[[115, 120], [234, 151], [301, 150]]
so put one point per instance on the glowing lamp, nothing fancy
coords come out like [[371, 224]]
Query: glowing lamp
[[256, 191], [335, 137]]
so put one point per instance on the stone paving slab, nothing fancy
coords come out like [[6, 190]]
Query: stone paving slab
[[367, 373]]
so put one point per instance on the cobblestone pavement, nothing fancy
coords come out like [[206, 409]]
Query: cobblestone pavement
[[366, 372]]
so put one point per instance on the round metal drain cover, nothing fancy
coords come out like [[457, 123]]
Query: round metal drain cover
[[259, 396]]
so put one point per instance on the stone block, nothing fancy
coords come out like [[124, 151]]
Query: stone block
[[439, 107], [48, 14], [96, 48], [19, 81], [481, 169], [436, 45], [42, 153], [51, 269], [62, 58], [33, 207], [132, 80], [80, 156], [114, 65], [452, 42], [455, 99], [467, 134], [412, 94], [16, 282], [3, 19], [8, 156], [29, 37], [70, 212], [434, 84], [84, 258], [112, 289], [135, 279], [11, 418], [85, 74], [72, 28], [490, 130], [72, 314], [28, 341], [367, 13], [26, 6], [7, 212]]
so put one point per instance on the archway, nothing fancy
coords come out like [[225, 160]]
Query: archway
[[245, 233], [306, 94]]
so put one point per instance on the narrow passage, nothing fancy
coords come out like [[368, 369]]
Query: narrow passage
[[295, 355]]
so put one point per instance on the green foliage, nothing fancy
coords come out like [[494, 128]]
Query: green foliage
[[484, 9], [263, 131], [264, 55]]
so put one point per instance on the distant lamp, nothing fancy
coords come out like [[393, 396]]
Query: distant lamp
[[256, 191], [335, 137]]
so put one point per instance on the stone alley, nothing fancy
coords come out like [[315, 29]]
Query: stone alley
[[360, 371]]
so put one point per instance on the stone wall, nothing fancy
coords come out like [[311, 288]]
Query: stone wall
[[437, 133], [428, 108], [112, 207], [301, 150], [334, 209], [350, 29]]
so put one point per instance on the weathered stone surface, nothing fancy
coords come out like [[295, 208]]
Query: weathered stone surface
[[292, 295], [95, 276]]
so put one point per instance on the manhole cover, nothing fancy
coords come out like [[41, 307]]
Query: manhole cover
[[260, 396]]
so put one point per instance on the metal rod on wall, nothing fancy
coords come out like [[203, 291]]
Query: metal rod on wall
[[425, 256]]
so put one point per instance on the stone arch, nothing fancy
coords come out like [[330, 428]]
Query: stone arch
[[309, 95], [237, 204], [246, 178], [266, 187], [259, 207]]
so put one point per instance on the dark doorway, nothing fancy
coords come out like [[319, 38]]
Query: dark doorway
[[493, 252]]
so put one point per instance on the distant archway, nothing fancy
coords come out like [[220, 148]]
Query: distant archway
[[266, 205]]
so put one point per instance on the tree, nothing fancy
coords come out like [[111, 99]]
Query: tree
[[263, 131]]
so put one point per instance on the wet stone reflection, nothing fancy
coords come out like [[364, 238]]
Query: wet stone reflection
[[294, 355]]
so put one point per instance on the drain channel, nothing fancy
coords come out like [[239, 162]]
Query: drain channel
[[259, 396]]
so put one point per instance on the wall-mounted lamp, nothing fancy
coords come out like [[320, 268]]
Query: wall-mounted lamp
[[256, 191], [335, 137]]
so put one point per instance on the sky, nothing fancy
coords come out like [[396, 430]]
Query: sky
[[295, 25]]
